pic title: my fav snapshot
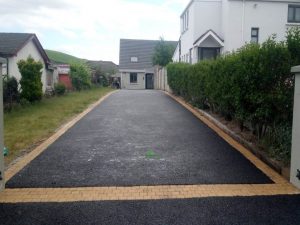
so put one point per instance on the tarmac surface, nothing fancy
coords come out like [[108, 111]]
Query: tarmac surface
[[279, 210], [138, 138]]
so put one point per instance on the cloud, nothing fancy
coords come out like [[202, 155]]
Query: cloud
[[92, 29]]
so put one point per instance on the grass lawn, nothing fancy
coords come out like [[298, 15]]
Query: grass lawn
[[24, 127]]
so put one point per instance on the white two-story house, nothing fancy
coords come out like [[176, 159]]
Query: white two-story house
[[213, 27]]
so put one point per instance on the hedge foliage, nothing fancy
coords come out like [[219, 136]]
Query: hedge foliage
[[252, 85]]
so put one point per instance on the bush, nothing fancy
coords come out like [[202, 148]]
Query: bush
[[252, 85], [293, 44], [59, 89], [10, 91], [31, 84], [81, 77]]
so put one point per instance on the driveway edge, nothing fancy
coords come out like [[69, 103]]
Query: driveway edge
[[222, 132], [20, 164]]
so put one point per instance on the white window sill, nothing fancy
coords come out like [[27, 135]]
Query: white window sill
[[293, 24]]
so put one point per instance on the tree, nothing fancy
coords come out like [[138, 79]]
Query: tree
[[293, 44], [163, 53], [81, 76], [31, 83]]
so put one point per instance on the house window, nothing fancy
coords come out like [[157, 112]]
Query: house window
[[208, 53], [294, 14], [134, 59], [185, 21], [190, 59], [254, 35], [133, 78]]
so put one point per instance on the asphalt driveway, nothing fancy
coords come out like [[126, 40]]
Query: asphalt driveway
[[276, 210], [138, 138]]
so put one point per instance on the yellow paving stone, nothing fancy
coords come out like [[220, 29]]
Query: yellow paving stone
[[176, 192]]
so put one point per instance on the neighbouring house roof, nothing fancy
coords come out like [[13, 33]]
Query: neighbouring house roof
[[206, 35], [12, 43], [142, 50]]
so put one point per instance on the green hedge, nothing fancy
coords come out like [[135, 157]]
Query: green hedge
[[252, 85]]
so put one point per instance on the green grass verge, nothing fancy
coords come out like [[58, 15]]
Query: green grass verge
[[26, 126]]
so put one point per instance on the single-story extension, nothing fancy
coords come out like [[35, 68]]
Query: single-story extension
[[136, 67]]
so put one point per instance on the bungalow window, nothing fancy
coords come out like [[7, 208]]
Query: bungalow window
[[208, 53], [294, 14], [133, 78], [254, 35]]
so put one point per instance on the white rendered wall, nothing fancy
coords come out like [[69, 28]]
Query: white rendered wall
[[125, 81], [28, 49], [238, 19]]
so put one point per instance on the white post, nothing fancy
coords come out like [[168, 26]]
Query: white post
[[295, 160], [1, 133]]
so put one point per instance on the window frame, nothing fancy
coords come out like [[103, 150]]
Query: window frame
[[255, 36], [293, 7], [201, 49], [185, 21], [131, 78]]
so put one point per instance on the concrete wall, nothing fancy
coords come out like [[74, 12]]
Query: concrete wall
[[125, 81], [28, 49], [1, 133], [295, 160], [161, 79]]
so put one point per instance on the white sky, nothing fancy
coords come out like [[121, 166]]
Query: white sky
[[92, 29]]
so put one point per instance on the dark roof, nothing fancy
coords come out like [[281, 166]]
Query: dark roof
[[12, 43], [210, 30], [142, 49]]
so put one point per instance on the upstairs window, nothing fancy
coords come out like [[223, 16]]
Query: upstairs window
[[133, 78], [254, 35], [185, 21], [134, 59], [294, 14]]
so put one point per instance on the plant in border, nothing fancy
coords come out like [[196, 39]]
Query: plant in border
[[31, 83], [59, 89], [81, 76], [10, 91]]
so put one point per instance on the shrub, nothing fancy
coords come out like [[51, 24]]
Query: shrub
[[10, 91], [59, 89], [31, 84], [81, 76], [24, 102]]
